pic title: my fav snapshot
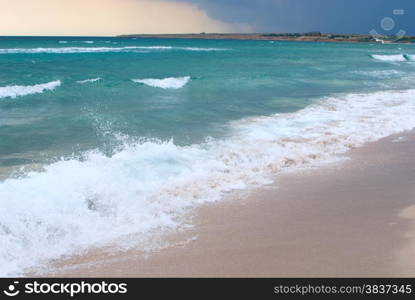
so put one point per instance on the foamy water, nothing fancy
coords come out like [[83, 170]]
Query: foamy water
[[14, 91], [394, 57], [89, 80], [148, 185], [165, 83], [71, 50]]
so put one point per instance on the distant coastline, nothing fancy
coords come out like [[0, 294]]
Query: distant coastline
[[308, 37]]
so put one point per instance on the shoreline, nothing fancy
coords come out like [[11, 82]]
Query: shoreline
[[351, 219], [293, 37]]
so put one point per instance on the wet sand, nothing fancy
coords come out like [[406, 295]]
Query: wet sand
[[352, 219]]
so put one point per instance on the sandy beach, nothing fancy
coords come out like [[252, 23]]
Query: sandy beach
[[352, 219]]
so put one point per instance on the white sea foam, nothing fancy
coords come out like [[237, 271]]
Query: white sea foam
[[165, 83], [89, 80], [14, 91], [149, 185], [150, 47], [88, 42], [63, 42], [202, 49], [63, 50], [390, 58]]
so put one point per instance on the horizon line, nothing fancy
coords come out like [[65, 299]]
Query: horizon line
[[197, 33]]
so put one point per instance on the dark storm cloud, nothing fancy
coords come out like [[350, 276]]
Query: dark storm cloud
[[343, 16]]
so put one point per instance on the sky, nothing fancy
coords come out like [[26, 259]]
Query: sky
[[112, 17], [340, 16]]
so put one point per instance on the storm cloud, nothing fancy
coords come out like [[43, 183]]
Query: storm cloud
[[342, 16]]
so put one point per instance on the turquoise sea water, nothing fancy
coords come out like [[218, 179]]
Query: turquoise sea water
[[240, 79], [104, 137]]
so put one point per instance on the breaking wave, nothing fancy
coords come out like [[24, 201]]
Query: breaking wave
[[149, 185], [89, 80], [393, 58], [165, 83], [68, 50], [14, 91]]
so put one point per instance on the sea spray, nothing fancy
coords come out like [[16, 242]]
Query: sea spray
[[149, 185]]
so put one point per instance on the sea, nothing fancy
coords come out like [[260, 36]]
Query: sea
[[110, 141]]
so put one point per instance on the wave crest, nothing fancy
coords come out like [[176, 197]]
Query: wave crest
[[14, 91], [69, 50], [165, 83], [89, 80], [391, 58]]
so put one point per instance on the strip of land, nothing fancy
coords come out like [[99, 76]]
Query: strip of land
[[354, 219], [305, 37]]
